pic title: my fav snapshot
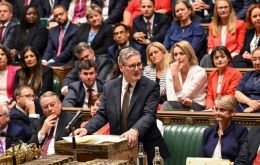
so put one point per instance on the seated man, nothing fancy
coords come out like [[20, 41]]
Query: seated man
[[80, 92], [61, 39], [150, 26], [24, 112], [50, 127], [121, 35], [250, 150], [83, 51], [10, 129]]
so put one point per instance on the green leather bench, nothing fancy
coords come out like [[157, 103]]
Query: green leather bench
[[183, 141]]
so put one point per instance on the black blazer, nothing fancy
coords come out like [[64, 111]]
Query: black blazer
[[47, 80], [115, 10], [141, 114], [249, 148], [248, 38], [76, 94], [102, 40], [160, 26], [36, 37]]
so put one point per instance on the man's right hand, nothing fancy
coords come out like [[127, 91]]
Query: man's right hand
[[64, 90], [48, 124], [81, 132]]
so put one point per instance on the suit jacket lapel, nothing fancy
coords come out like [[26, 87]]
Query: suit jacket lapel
[[117, 97], [98, 36], [140, 86]]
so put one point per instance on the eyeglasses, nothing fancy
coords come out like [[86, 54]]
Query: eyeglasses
[[120, 32], [28, 96], [223, 7], [52, 104], [133, 66]]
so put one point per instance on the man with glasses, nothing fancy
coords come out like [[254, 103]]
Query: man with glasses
[[129, 105], [10, 128], [121, 35], [50, 127], [24, 112]]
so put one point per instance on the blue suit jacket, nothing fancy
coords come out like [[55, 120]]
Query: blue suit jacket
[[17, 131], [231, 141], [9, 34], [141, 114], [160, 26], [67, 44], [113, 51], [115, 10]]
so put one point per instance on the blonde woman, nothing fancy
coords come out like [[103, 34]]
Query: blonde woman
[[185, 81], [158, 61], [225, 30]]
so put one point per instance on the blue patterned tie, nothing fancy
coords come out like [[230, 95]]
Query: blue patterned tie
[[1, 147]]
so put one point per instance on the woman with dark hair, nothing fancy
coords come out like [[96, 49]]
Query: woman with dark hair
[[32, 73], [185, 29], [30, 32], [224, 80], [7, 74], [252, 38]]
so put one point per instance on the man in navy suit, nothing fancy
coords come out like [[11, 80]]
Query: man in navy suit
[[129, 105], [150, 26], [61, 39], [79, 92], [8, 25], [115, 10], [121, 35], [11, 129]]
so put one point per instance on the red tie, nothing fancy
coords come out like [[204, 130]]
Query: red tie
[[149, 29], [257, 159], [25, 2], [1, 32], [90, 93], [47, 142], [60, 41]]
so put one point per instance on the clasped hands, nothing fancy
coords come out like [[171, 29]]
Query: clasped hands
[[131, 135], [140, 38]]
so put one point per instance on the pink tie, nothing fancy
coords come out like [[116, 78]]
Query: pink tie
[[47, 142], [26, 2], [60, 41]]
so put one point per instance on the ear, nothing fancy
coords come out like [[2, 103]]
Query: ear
[[121, 67]]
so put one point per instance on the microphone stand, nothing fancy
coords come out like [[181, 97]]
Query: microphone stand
[[13, 156], [72, 129]]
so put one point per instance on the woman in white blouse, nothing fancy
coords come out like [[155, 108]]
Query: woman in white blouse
[[185, 81]]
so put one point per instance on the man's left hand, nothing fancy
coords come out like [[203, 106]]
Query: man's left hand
[[131, 136]]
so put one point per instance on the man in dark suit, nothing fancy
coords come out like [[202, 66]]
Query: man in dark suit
[[80, 92], [24, 112], [7, 25], [150, 26], [11, 129], [121, 35], [45, 7], [250, 148], [129, 105], [115, 10], [61, 39], [50, 127]]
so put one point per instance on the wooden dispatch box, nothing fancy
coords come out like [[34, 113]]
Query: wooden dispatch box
[[87, 152]]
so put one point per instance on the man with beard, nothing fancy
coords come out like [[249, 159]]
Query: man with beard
[[61, 39]]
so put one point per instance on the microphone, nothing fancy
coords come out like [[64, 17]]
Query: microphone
[[78, 114], [12, 138]]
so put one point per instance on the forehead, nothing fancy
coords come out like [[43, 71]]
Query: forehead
[[146, 2], [27, 91], [58, 10], [256, 53], [219, 53], [29, 52], [4, 7], [119, 28], [92, 69], [47, 100], [133, 59], [256, 11], [31, 9], [180, 5], [223, 3]]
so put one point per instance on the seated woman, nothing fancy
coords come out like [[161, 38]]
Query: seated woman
[[185, 29], [185, 81], [94, 105], [248, 90], [224, 80], [32, 73], [30, 31], [224, 140], [133, 9], [252, 38], [158, 61], [77, 11], [7, 74], [224, 30]]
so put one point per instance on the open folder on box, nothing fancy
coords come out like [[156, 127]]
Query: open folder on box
[[95, 139], [207, 161]]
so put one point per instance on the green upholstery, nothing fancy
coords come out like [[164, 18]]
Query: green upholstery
[[182, 141], [56, 87]]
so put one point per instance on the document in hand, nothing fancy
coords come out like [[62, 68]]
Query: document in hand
[[95, 139]]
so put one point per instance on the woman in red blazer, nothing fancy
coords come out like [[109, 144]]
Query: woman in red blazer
[[225, 30], [224, 80]]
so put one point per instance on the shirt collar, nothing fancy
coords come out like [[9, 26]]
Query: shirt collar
[[94, 87], [151, 19], [21, 109], [125, 83]]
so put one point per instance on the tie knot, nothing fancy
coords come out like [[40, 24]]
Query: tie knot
[[148, 23], [89, 90], [128, 86]]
